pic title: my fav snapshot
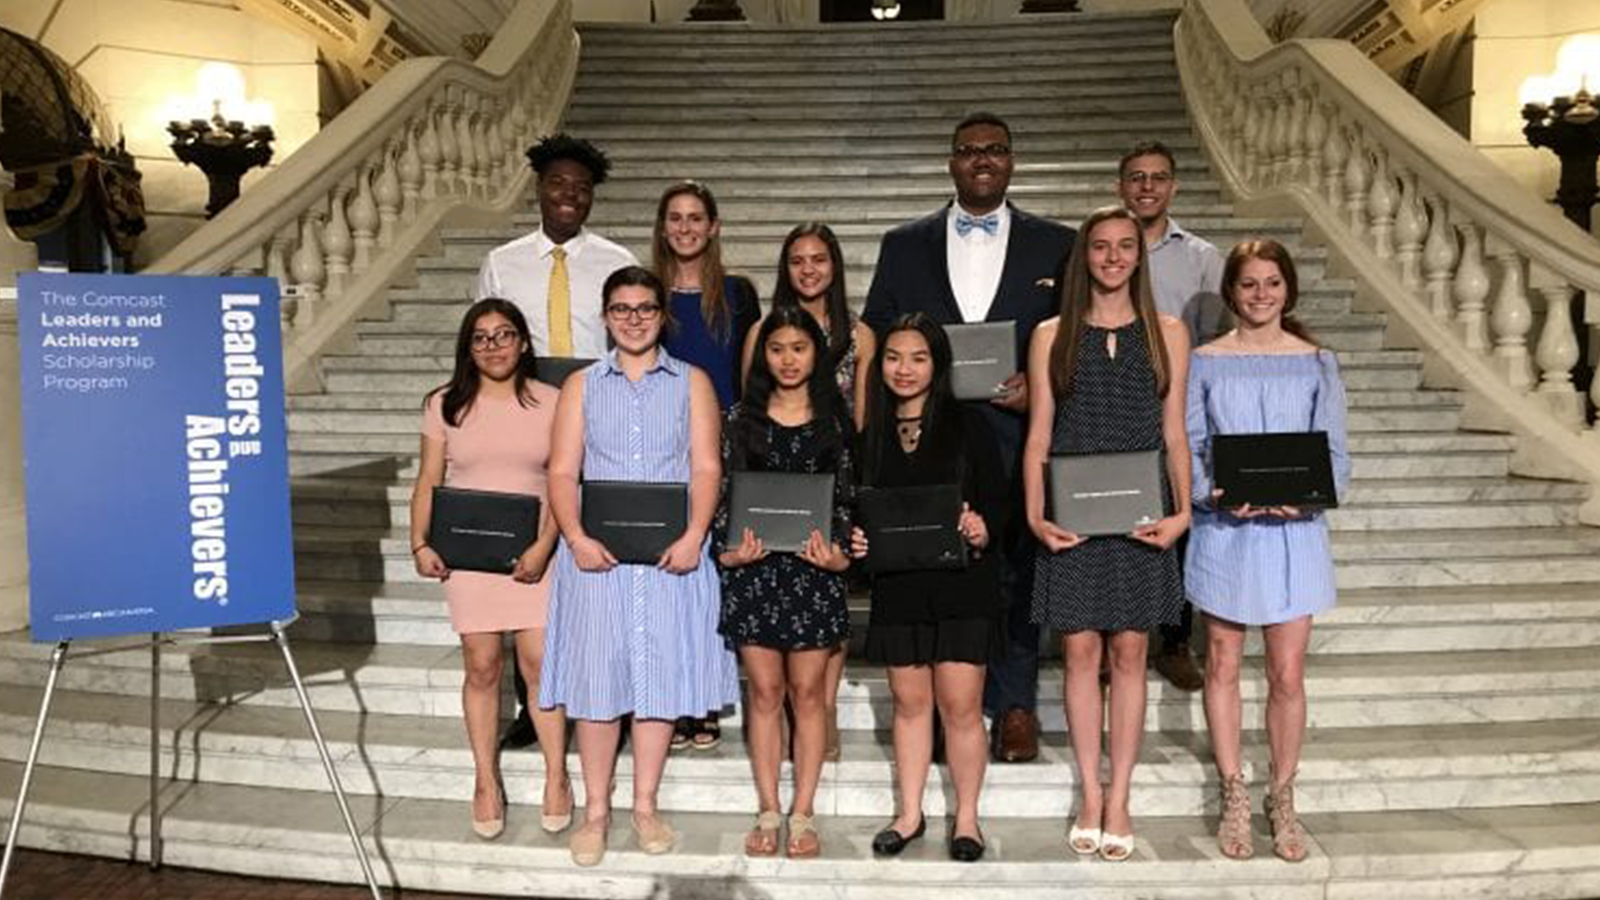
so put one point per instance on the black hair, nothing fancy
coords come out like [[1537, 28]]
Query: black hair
[[943, 431], [1147, 148], [748, 433], [981, 117], [462, 388], [564, 146], [837, 301], [637, 276]]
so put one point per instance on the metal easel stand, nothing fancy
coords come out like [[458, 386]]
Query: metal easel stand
[[279, 636]]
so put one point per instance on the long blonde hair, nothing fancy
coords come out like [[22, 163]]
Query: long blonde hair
[[1075, 299]]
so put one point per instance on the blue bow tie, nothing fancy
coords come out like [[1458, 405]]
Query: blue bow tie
[[965, 222]]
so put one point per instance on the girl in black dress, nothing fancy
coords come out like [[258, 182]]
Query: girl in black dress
[[785, 612], [1107, 375], [936, 630]]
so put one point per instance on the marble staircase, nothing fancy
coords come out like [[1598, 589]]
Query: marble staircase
[[1454, 748]]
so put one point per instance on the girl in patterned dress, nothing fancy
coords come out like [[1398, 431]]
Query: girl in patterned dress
[[1107, 375], [634, 638], [1269, 567], [785, 612], [811, 277]]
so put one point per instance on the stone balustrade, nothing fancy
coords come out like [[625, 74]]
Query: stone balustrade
[[436, 142], [1478, 270]]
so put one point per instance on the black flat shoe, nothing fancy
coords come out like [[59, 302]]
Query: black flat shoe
[[966, 849], [889, 842], [519, 734]]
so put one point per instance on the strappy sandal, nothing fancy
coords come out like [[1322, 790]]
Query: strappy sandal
[[682, 733], [762, 840], [1289, 839], [707, 735], [804, 842], [1233, 830]]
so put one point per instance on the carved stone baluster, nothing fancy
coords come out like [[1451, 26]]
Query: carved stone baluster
[[471, 175], [279, 249], [429, 152], [1472, 286], [495, 146], [386, 191], [1316, 139], [511, 143], [306, 267], [363, 219], [1295, 144], [336, 242], [517, 136], [1335, 151], [480, 147], [1238, 115], [1357, 178], [1557, 350], [409, 168], [1438, 256], [1409, 229], [449, 150], [1511, 317], [1381, 206], [1277, 134], [1251, 157]]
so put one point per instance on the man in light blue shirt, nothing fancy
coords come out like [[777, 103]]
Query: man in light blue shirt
[[1186, 275]]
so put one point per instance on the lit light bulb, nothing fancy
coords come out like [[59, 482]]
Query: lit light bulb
[[1579, 59]]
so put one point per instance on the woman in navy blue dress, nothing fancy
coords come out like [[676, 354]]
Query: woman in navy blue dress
[[712, 312]]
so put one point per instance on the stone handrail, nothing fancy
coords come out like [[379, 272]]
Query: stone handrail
[[1448, 243], [436, 140]]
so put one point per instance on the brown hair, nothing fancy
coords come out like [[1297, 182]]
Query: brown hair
[[713, 303], [1267, 250], [1075, 306]]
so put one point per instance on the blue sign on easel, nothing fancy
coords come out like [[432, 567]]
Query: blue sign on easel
[[155, 453]]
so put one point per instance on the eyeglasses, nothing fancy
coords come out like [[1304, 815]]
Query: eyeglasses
[[501, 337], [645, 313], [1159, 179], [969, 152]]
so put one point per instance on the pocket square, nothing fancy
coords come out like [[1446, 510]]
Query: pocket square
[[1045, 282]]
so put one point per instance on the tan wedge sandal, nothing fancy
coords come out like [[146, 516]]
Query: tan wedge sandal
[[1233, 830]]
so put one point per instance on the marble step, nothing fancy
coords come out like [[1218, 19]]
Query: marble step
[[408, 757], [1108, 130], [1140, 83], [416, 679], [417, 845], [643, 154], [891, 112], [799, 78], [1538, 617], [887, 40]]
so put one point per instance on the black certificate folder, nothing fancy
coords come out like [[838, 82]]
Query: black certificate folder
[[913, 528], [1274, 469], [636, 521], [1106, 493], [782, 508], [983, 355], [481, 531]]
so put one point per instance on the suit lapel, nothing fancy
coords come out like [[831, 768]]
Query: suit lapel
[[999, 309]]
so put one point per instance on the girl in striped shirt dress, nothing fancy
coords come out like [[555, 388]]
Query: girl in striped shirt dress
[[634, 639]]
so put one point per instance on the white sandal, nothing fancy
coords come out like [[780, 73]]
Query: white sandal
[[1083, 841], [1116, 847]]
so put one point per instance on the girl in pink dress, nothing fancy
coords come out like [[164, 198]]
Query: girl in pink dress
[[489, 429]]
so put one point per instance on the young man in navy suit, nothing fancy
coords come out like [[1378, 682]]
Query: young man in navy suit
[[980, 259]]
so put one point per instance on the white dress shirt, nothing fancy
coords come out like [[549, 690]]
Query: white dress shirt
[[976, 262], [520, 272]]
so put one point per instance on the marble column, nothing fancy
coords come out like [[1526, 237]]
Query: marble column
[[16, 255]]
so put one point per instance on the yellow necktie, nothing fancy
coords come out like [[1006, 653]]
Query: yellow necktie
[[560, 298]]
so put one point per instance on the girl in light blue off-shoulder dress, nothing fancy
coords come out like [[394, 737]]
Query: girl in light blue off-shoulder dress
[[1267, 567]]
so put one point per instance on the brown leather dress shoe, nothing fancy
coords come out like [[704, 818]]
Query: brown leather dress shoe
[[1178, 667], [1018, 739]]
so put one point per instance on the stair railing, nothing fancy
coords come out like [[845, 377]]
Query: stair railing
[[1447, 243], [436, 141]]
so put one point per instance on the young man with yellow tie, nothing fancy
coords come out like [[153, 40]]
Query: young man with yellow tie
[[554, 276]]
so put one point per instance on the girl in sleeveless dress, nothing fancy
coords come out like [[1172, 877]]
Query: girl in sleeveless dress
[[489, 429], [712, 313], [634, 639], [1268, 567], [1107, 375], [785, 612]]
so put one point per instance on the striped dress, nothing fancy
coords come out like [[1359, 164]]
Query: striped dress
[[1261, 571], [636, 639]]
